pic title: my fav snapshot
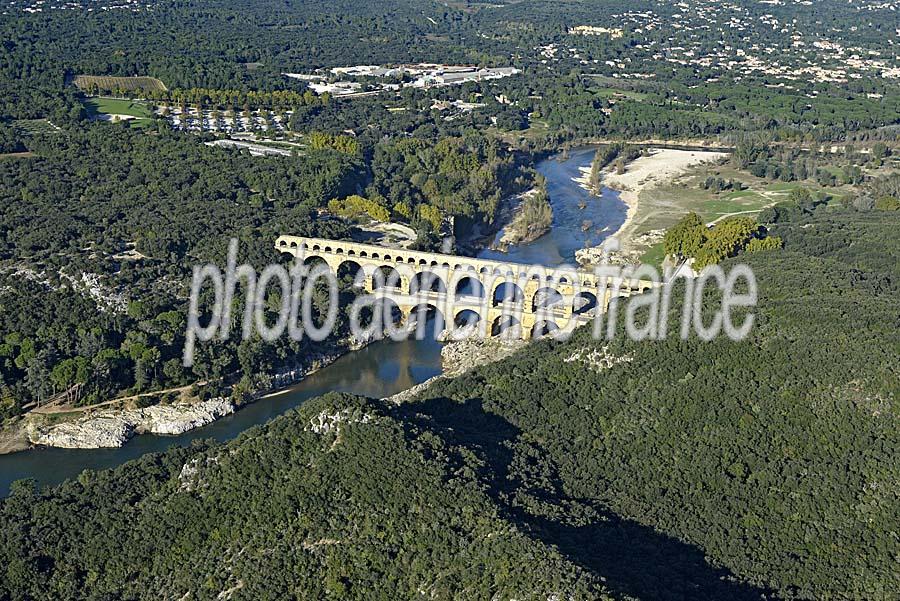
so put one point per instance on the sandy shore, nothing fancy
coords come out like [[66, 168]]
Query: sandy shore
[[656, 168]]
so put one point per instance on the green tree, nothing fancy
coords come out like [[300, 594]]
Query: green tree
[[686, 237]]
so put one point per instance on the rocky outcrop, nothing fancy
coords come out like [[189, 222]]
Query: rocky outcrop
[[114, 428], [326, 422], [459, 357], [596, 255], [597, 359], [87, 433]]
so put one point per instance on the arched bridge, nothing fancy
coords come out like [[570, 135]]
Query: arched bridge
[[501, 297]]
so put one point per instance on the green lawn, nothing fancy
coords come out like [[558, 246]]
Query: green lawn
[[654, 255], [97, 107]]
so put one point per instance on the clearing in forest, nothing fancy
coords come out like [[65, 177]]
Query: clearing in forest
[[94, 83]]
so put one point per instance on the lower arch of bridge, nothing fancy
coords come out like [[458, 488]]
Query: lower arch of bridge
[[432, 317], [506, 326], [466, 317], [542, 328], [585, 302], [427, 281], [388, 311]]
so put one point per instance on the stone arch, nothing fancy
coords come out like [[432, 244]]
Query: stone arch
[[375, 256], [363, 254], [466, 317], [388, 277], [431, 313], [507, 291], [382, 309], [389, 309], [351, 253], [546, 298], [327, 249], [468, 286], [506, 326], [466, 324], [427, 281], [542, 328], [316, 247], [585, 302], [349, 270], [314, 260]]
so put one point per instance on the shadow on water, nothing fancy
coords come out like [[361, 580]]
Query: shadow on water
[[635, 560]]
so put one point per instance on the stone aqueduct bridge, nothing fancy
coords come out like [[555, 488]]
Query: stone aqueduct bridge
[[509, 298]]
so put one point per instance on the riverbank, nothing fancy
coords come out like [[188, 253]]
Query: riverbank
[[113, 423], [658, 167], [461, 356], [115, 427]]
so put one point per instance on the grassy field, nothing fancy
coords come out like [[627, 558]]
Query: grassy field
[[102, 82], [654, 255], [660, 207], [100, 108]]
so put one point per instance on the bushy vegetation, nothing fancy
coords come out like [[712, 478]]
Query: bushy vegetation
[[354, 207], [775, 455], [690, 238], [137, 212], [371, 508]]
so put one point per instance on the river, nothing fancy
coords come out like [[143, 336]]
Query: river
[[379, 370]]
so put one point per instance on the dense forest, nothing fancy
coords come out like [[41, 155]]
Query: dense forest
[[136, 212], [108, 222], [236, 52], [774, 458]]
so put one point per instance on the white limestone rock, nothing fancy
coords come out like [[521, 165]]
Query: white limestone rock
[[113, 428], [172, 420], [104, 431]]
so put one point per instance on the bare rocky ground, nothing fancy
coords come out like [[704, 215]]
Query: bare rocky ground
[[113, 428]]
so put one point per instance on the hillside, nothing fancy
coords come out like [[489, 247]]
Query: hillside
[[776, 458], [336, 500]]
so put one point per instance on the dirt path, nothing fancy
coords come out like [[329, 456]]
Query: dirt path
[[55, 409]]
